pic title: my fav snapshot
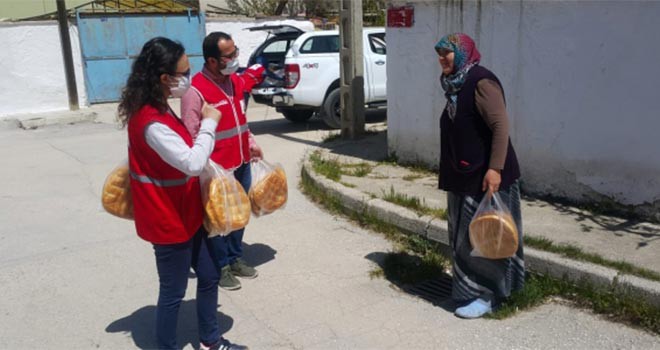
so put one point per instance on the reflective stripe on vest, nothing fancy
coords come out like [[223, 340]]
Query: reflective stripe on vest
[[160, 183], [226, 134]]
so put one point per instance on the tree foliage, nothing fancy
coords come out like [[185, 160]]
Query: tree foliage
[[374, 10]]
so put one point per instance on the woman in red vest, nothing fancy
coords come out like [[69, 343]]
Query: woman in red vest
[[164, 165]]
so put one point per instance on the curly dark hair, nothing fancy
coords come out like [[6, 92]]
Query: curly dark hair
[[143, 87]]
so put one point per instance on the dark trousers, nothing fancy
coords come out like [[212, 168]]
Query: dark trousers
[[226, 249], [173, 262]]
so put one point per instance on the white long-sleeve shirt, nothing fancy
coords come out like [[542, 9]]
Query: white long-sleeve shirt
[[175, 152]]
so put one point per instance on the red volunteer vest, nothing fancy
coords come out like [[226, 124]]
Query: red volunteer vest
[[167, 203], [232, 146]]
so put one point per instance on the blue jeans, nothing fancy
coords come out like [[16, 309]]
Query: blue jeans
[[226, 249], [173, 262]]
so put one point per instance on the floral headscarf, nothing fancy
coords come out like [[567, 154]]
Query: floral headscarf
[[466, 56]]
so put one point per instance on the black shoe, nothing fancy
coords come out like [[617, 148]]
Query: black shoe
[[223, 344]]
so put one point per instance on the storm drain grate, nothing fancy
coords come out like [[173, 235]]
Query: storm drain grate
[[435, 290]]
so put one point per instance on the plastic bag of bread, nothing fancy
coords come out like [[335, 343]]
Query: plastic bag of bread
[[116, 196], [269, 190], [493, 232], [226, 205]]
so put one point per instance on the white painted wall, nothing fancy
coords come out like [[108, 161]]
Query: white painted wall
[[32, 68], [246, 40], [581, 80]]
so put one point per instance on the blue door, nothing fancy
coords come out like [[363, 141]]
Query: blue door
[[110, 43]]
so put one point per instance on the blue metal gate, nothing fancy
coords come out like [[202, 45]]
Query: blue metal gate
[[109, 44]]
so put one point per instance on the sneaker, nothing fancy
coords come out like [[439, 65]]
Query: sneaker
[[223, 344], [476, 309], [241, 269], [227, 279]]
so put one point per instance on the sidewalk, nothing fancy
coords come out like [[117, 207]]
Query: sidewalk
[[93, 283], [614, 239]]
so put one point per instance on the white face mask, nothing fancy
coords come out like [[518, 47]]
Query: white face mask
[[183, 84], [231, 68]]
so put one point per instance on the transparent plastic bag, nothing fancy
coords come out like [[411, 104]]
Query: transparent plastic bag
[[493, 232], [116, 196], [269, 191], [226, 205]]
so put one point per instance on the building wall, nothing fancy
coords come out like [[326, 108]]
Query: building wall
[[32, 67], [580, 80]]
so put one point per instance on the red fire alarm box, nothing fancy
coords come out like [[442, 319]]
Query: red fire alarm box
[[401, 17]]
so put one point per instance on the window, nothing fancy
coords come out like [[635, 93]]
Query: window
[[321, 44], [280, 46], [377, 43]]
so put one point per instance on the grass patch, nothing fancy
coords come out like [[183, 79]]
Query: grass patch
[[347, 184], [391, 158], [424, 261], [616, 306], [576, 253], [413, 203], [333, 169], [357, 170], [412, 177], [376, 273], [330, 168]]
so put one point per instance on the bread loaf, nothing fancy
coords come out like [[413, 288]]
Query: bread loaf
[[494, 235], [270, 193], [227, 208], [116, 197]]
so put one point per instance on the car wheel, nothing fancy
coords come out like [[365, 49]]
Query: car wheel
[[298, 115], [331, 111]]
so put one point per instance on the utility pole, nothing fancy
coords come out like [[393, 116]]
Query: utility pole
[[351, 66], [66, 54]]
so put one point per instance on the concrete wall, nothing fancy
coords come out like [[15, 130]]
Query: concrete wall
[[581, 85], [32, 67]]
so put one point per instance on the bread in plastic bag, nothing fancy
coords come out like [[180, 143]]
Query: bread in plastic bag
[[269, 191], [116, 197], [493, 232], [226, 205]]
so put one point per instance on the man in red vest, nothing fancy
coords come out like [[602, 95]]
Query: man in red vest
[[220, 86]]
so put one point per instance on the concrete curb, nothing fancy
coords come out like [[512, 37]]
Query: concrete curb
[[34, 121], [436, 230]]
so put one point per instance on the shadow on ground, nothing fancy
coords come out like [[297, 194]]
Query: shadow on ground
[[372, 146], [254, 254], [140, 325], [410, 275], [257, 254], [590, 221]]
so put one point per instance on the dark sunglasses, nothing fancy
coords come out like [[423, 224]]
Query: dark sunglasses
[[232, 55], [186, 74]]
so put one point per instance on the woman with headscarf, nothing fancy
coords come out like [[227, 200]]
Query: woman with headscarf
[[476, 156]]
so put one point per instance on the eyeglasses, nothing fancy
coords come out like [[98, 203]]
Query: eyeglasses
[[232, 55], [186, 74]]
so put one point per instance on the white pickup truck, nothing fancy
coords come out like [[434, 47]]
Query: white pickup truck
[[311, 74]]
